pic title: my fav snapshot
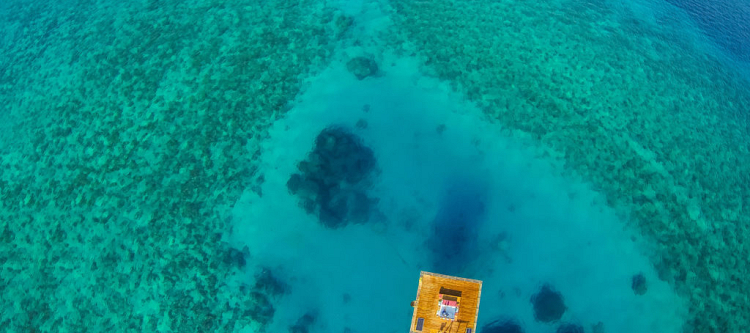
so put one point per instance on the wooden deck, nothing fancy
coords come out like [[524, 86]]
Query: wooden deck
[[426, 306]]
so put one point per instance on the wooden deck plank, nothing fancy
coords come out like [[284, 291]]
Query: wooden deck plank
[[426, 305]]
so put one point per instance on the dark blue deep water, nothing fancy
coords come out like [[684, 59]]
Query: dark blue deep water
[[726, 22]]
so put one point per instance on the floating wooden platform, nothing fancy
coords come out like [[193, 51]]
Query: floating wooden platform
[[445, 304]]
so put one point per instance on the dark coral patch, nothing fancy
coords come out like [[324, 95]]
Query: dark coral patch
[[548, 304], [502, 326], [333, 180]]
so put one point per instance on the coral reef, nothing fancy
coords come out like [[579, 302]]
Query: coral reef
[[258, 303], [638, 284], [619, 104], [362, 67], [259, 308], [138, 127], [549, 305], [334, 179], [267, 282], [236, 257], [303, 324], [502, 326], [570, 328]]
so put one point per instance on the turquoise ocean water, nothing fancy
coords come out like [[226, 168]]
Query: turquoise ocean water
[[292, 166]]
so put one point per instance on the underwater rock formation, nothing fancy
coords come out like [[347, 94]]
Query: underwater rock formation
[[502, 326], [570, 328], [260, 296], [548, 305], [333, 180], [259, 308], [268, 283], [597, 328], [236, 257], [362, 67], [303, 324], [639, 284]]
